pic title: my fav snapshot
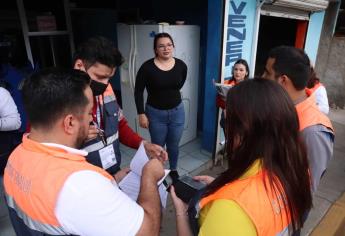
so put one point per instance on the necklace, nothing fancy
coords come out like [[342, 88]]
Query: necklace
[[165, 65]]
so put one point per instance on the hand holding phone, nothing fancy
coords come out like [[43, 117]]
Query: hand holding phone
[[186, 187]]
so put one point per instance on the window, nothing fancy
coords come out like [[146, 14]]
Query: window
[[340, 24]]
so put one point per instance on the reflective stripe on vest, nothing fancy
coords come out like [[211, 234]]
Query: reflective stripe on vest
[[108, 98], [309, 114], [99, 145], [33, 178], [31, 223], [265, 209], [285, 232]]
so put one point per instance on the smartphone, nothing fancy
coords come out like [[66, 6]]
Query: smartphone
[[186, 187], [191, 182]]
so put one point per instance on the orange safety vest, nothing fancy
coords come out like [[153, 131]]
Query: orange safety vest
[[262, 205], [309, 114], [34, 176], [230, 82], [109, 92], [309, 91]]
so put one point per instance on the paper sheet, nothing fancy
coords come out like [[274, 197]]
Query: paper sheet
[[130, 184], [222, 89]]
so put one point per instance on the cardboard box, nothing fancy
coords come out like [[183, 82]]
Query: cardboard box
[[46, 23]]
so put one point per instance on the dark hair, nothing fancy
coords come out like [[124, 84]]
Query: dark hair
[[51, 93], [313, 80], [292, 62], [265, 126], [161, 35], [98, 49], [243, 62]]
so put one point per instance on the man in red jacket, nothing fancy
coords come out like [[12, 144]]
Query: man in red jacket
[[99, 58]]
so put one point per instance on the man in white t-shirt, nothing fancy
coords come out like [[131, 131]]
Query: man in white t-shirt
[[10, 122], [9, 116], [50, 189]]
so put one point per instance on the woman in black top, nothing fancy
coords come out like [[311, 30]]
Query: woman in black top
[[163, 76]]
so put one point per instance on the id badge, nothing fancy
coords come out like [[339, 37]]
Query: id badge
[[108, 157]]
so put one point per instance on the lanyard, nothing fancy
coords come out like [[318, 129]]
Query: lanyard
[[98, 118], [98, 112]]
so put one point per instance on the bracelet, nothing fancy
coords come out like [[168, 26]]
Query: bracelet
[[182, 214]]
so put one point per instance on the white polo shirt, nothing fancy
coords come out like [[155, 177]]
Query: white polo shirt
[[91, 204]]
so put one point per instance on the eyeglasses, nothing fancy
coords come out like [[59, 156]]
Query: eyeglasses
[[168, 46]]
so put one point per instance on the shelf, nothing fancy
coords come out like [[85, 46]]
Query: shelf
[[50, 39], [47, 33]]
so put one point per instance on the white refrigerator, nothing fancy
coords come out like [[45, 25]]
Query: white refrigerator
[[135, 43]]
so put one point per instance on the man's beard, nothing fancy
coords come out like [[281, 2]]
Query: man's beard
[[82, 135]]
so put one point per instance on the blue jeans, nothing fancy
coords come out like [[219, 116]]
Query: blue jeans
[[166, 128]]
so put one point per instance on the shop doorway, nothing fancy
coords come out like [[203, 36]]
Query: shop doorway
[[276, 31]]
